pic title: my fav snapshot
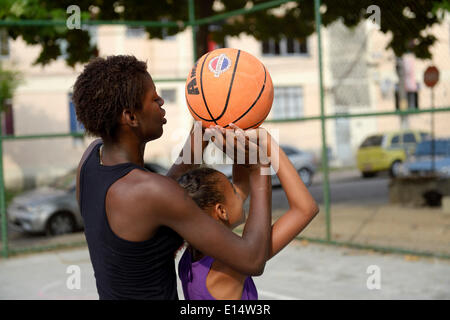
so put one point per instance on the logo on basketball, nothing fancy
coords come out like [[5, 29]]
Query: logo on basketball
[[219, 64], [228, 85]]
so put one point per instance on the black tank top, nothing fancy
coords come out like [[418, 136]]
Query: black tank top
[[123, 269]]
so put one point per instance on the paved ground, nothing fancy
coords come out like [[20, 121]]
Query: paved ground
[[301, 271], [346, 187], [415, 229]]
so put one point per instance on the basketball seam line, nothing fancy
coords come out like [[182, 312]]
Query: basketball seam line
[[194, 110], [201, 86], [260, 121], [231, 85], [252, 126], [257, 98]]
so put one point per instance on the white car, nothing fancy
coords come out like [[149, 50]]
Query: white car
[[54, 209]]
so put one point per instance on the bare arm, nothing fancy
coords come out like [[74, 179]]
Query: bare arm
[[188, 157], [247, 254], [241, 175], [241, 172], [172, 207], [302, 206]]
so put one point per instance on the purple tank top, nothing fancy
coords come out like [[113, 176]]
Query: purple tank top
[[193, 279]]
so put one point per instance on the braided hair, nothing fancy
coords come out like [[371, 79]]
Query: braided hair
[[202, 186]]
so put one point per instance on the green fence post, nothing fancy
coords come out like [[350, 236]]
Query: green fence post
[[3, 218], [326, 184]]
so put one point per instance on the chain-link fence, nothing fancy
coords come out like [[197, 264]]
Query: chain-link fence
[[389, 197], [348, 112]]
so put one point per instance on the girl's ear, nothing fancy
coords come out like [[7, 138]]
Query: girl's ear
[[129, 118], [220, 213]]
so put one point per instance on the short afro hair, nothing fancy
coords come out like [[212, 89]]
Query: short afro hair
[[105, 88]]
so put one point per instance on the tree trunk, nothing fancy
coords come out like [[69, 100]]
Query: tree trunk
[[203, 9], [402, 98]]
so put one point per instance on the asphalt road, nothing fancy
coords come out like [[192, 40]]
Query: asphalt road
[[345, 186], [354, 189]]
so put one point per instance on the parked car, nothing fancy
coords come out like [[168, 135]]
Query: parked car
[[421, 164], [305, 163], [387, 151], [53, 209]]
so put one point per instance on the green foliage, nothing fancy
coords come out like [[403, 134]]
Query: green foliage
[[9, 80], [49, 38], [407, 21], [444, 5]]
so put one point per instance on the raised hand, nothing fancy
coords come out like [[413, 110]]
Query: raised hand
[[250, 147]]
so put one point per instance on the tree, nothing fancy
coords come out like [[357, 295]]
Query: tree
[[9, 80], [407, 20]]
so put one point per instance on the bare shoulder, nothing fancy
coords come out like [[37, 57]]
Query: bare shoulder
[[145, 190], [139, 183], [83, 158], [89, 149], [129, 205], [225, 283], [87, 152], [222, 268], [139, 203]]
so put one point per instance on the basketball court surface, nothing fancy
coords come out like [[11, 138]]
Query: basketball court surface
[[301, 271]]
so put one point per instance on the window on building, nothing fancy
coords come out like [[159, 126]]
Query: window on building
[[75, 126], [287, 103], [7, 118], [165, 32], [140, 32], [63, 45], [4, 43], [135, 32], [424, 136], [412, 99], [169, 95], [285, 47]]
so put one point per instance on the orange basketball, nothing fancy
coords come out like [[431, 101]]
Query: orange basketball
[[229, 86]]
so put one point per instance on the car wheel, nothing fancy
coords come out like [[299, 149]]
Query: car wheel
[[433, 198], [60, 223], [306, 176], [368, 174], [394, 171]]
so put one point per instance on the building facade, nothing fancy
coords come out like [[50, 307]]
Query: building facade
[[359, 76]]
